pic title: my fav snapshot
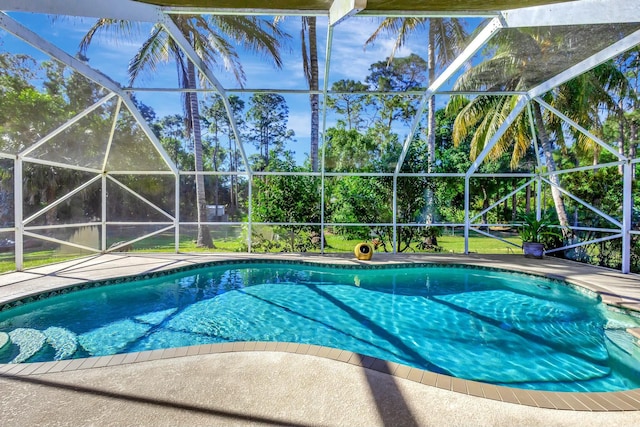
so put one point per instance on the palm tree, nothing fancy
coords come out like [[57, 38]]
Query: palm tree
[[309, 50], [446, 37], [506, 70], [310, 66], [214, 39]]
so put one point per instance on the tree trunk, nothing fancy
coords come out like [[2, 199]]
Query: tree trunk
[[431, 115], [230, 170], [551, 165], [204, 236], [314, 98], [621, 127], [236, 185], [505, 208], [6, 206], [485, 206], [216, 178], [50, 196]]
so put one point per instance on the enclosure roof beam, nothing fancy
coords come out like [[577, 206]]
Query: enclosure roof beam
[[14, 27], [170, 26], [406, 13], [343, 9], [583, 12], [179, 10], [474, 46], [114, 9]]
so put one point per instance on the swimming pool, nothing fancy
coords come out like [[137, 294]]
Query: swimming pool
[[479, 324]]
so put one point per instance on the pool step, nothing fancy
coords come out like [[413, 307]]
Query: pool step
[[30, 341], [635, 332], [621, 339], [4, 339], [63, 341]]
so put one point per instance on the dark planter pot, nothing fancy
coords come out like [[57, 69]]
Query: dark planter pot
[[533, 250]]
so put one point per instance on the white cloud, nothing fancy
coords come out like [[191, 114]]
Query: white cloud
[[300, 122], [350, 59]]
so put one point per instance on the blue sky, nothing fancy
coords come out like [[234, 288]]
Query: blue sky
[[349, 60]]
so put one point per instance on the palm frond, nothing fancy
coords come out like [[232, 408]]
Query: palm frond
[[450, 38], [401, 28], [253, 33], [494, 121], [388, 25], [119, 28], [455, 104], [470, 115], [153, 51]]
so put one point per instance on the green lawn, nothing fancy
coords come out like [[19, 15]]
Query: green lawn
[[448, 243], [33, 259], [334, 244]]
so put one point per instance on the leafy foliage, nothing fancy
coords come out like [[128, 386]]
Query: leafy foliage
[[286, 198], [536, 230], [267, 127]]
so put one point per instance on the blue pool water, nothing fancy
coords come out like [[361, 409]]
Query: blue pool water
[[484, 325]]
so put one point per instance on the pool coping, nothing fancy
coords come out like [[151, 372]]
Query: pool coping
[[628, 400]]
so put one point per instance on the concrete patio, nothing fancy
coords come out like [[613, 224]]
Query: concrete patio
[[284, 384]]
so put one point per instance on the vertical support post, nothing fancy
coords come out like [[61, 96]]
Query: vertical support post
[[325, 86], [250, 211], [17, 206], [176, 219], [322, 197], [322, 203], [467, 198], [538, 197], [627, 207], [489, 145], [394, 245], [534, 136], [103, 213]]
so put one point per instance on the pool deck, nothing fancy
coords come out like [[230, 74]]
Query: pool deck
[[284, 383]]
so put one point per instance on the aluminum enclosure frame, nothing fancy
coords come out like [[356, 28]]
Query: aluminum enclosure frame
[[583, 12]]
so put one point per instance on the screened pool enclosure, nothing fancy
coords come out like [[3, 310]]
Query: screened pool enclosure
[[307, 125]]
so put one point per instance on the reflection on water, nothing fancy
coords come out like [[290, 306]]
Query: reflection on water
[[484, 325]]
